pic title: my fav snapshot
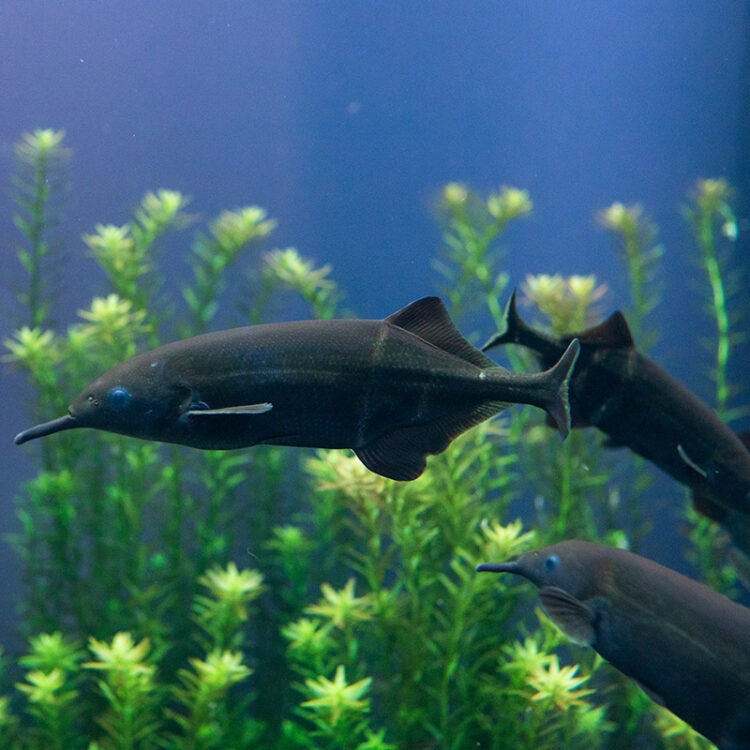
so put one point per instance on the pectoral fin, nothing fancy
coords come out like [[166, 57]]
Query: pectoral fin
[[572, 616], [689, 462], [232, 410]]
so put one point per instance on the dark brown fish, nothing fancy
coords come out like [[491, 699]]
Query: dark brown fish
[[685, 644], [641, 406], [394, 390]]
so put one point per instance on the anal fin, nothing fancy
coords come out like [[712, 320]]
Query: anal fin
[[402, 453]]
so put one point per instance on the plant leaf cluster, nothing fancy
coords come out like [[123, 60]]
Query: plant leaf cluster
[[293, 600]]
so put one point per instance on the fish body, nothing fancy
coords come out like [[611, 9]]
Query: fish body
[[685, 644], [641, 406], [394, 390]]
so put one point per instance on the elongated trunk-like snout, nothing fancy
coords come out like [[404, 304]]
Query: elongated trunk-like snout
[[47, 428], [507, 567]]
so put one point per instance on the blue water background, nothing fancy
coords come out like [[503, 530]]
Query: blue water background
[[344, 119]]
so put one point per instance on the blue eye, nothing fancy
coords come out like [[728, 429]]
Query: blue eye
[[119, 397], [552, 563]]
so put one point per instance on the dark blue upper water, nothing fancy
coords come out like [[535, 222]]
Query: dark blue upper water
[[344, 119]]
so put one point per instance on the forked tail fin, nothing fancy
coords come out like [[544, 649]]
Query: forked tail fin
[[511, 328], [560, 373], [514, 330]]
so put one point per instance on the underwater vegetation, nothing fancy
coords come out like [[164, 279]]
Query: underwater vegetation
[[292, 599]]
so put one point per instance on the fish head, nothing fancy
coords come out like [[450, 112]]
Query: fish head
[[130, 399], [128, 408], [574, 567]]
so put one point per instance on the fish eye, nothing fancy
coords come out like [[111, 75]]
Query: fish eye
[[118, 397], [552, 563]]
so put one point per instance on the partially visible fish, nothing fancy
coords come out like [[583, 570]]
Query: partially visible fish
[[685, 644], [641, 406], [394, 390]]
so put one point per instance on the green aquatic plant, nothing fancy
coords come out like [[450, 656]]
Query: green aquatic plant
[[52, 688], [336, 708], [470, 261], [208, 714], [680, 734], [573, 496], [300, 275], [568, 304], [118, 695], [39, 186], [554, 699], [715, 229], [49, 704], [206, 719], [103, 495], [127, 684], [222, 612], [288, 599], [422, 615], [635, 235], [230, 236], [126, 253]]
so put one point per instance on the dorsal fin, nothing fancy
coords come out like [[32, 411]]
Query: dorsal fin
[[614, 332], [428, 319]]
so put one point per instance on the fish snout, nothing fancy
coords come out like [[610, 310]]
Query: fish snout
[[66, 422], [506, 567]]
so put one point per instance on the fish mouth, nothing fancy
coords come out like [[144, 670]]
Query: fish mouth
[[506, 567], [46, 428]]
